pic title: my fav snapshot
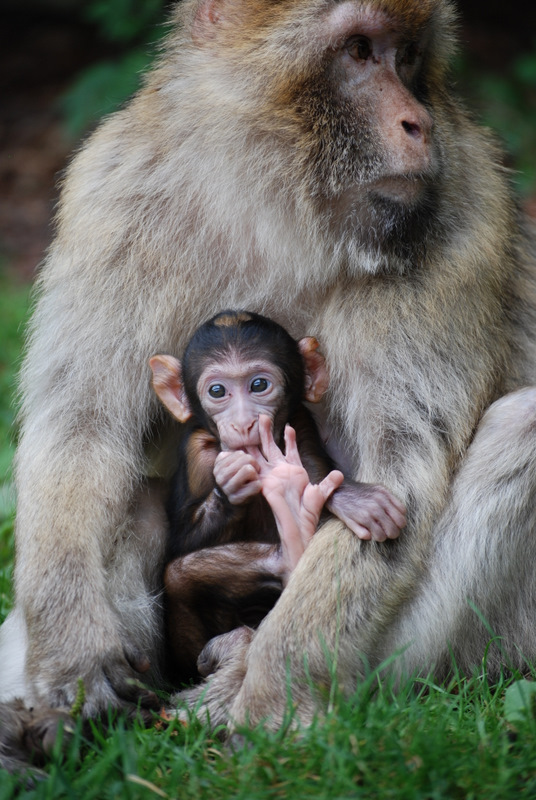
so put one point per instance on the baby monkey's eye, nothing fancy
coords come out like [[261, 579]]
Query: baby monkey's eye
[[259, 385], [217, 390]]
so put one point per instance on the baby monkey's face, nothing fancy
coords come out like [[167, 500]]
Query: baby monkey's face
[[233, 393]]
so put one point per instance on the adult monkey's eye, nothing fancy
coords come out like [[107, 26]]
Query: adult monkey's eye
[[359, 48], [217, 390], [410, 55], [259, 385]]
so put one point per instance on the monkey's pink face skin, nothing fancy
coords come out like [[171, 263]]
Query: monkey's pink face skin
[[234, 393], [377, 67]]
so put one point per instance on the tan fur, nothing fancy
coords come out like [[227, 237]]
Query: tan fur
[[232, 319], [201, 453], [219, 186]]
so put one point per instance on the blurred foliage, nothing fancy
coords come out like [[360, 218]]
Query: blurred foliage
[[125, 20], [102, 88], [135, 26], [506, 102], [14, 303], [14, 300]]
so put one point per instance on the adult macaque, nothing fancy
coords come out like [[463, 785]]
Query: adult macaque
[[240, 368], [307, 159]]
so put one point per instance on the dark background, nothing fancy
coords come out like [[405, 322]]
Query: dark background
[[63, 63]]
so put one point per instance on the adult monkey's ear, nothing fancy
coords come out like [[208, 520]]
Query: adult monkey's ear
[[168, 385], [209, 15], [316, 371]]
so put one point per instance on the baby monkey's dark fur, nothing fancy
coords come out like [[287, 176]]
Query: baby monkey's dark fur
[[223, 570]]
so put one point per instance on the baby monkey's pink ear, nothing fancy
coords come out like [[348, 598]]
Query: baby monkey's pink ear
[[316, 371], [168, 385]]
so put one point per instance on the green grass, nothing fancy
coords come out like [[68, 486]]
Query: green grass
[[421, 741], [14, 303]]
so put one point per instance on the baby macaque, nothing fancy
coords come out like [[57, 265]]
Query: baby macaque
[[241, 512]]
